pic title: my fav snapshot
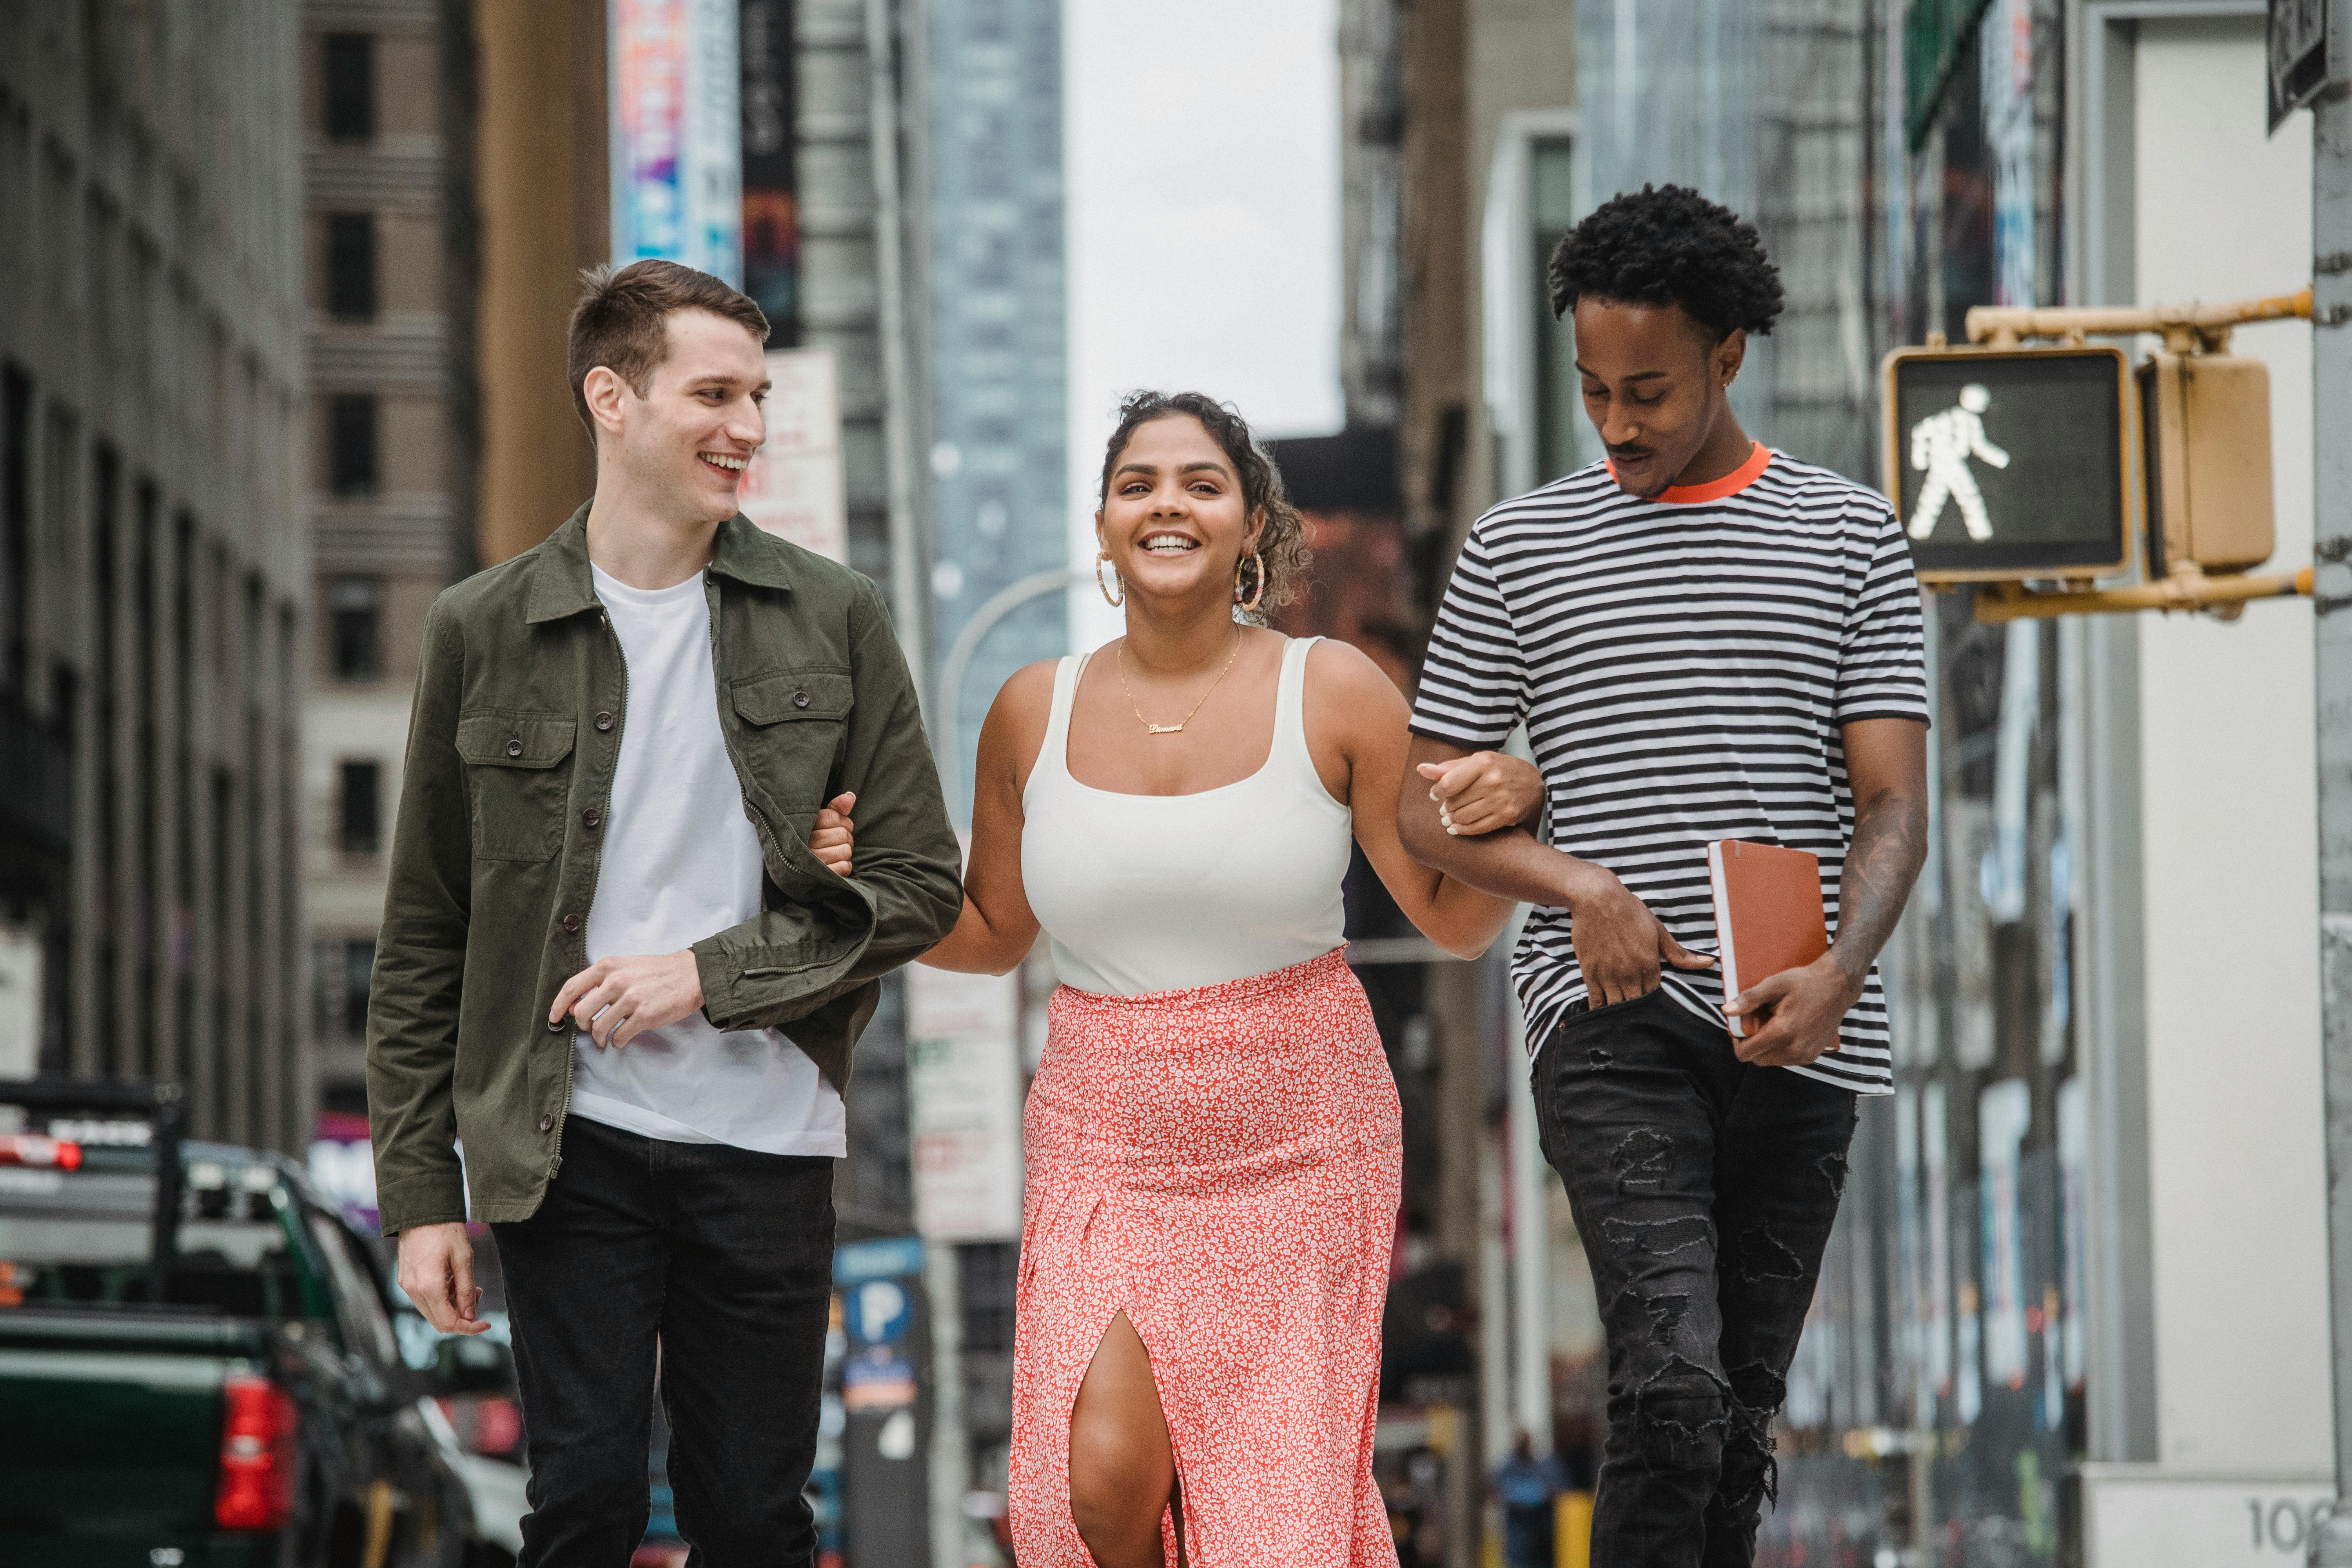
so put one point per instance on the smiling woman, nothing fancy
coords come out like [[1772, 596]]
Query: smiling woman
[[1212, 1138], [1279, 557]]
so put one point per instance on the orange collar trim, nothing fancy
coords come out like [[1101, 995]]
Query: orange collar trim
[[1731, 484]]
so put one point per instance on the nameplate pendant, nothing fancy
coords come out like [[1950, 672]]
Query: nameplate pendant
[[1164, 729]]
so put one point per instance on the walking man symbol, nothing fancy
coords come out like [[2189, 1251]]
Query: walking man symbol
[[1942, 444]]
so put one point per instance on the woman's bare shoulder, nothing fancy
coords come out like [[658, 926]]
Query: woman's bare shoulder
[[1345, 681], [1028, 689], [1017, 722]]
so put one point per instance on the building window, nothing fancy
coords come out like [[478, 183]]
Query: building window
[[1560, 421], [358, 814], [341, 969], [351, 444], [15, 524], [351, 266], [359, 968], [356, 627], [349, 87]]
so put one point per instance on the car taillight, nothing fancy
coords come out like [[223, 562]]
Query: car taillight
[[32, 1149], [258, 1459]]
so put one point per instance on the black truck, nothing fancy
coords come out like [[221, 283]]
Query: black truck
[[201, 1363]]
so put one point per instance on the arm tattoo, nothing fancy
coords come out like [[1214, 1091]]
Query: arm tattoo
[[1890, 844]]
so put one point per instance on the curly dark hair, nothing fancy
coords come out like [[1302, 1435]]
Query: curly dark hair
[[1669, 246], [1282, 542]]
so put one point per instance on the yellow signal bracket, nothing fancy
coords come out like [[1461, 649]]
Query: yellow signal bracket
[[2186, 329], [2225, 595]]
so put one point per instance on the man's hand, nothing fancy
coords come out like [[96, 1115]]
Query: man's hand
[[1483, 792], [617, 999], [436, 1270], [1620, 945], [1801, 1009], [832, 837]]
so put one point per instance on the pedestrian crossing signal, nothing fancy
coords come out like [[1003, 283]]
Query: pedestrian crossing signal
[[2205, 462], [2008, 464]]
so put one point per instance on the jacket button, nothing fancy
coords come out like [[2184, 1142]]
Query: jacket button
[[555, 1025], [547, 1123], [572, 923], [514, 747], [800, 700], [604, 720], [591, 816]]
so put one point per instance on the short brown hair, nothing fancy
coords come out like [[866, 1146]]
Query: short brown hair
[[621, 320]]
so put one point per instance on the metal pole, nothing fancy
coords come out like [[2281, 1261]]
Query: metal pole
[[1530, 1237], [950, 1476], [944, 714], [2331, 413], [908, 603]]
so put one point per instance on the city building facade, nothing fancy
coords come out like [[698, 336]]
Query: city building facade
[[154, 560], [390, 458]]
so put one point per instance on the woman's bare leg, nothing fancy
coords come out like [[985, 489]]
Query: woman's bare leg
[[1122, 1468]]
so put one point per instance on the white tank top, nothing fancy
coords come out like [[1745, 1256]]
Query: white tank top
[[1164, 892]]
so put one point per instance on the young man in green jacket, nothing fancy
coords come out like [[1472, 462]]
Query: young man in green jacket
[[613, 966]]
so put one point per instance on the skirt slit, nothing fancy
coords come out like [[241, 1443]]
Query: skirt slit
[[1222, 1165]]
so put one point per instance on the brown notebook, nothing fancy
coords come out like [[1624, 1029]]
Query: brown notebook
[[1768, 913]]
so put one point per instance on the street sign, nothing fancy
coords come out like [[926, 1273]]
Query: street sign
[[2299, 41], [2008, 464], [794, 487], [20, 1002], [963, 1087]]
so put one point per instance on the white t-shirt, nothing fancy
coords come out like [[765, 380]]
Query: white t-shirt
[[682, 862]]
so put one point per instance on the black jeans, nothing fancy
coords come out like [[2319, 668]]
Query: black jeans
[[712, 1265], [1703, 1190]]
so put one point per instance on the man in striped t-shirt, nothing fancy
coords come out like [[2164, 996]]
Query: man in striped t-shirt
[[1705, 640]]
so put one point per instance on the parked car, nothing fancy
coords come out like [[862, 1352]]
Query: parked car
[[199, 1366]]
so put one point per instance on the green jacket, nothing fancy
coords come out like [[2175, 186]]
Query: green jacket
[[521, 702]]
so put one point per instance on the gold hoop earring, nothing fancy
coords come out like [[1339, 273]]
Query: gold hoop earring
[[1101, 556], [1258, 592]]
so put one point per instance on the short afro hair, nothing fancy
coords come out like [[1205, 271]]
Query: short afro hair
[[1669, 246]]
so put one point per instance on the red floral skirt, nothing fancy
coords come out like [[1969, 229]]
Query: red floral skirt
[[1224, 1164]]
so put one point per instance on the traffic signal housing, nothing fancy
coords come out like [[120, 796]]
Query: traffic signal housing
[[2012, 463], [2205, 422]]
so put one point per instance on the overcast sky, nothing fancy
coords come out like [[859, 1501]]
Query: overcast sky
[[1202, 165]]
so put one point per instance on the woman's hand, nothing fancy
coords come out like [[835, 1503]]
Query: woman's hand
[[834, 836], [1483, 792]]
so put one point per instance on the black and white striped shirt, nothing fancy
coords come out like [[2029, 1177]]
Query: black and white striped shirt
[[1683, 666]]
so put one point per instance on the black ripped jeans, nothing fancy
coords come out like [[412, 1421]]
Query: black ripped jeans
[[713, 1263], [1704, 1189]]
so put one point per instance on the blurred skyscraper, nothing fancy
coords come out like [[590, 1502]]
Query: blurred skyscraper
[[154, 557], [997, 352]]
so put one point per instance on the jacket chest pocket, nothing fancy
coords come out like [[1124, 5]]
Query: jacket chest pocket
[[789, 724], [517, 781]]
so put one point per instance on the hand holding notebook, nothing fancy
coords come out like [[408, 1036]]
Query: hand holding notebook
[[1767, 914]]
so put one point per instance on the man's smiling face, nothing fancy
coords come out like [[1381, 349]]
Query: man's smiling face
[[1654, 385], [689, 437]]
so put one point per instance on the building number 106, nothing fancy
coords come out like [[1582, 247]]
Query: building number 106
[[2283, 1525]]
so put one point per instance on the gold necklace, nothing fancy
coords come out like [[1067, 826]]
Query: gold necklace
[[1176, 728]]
